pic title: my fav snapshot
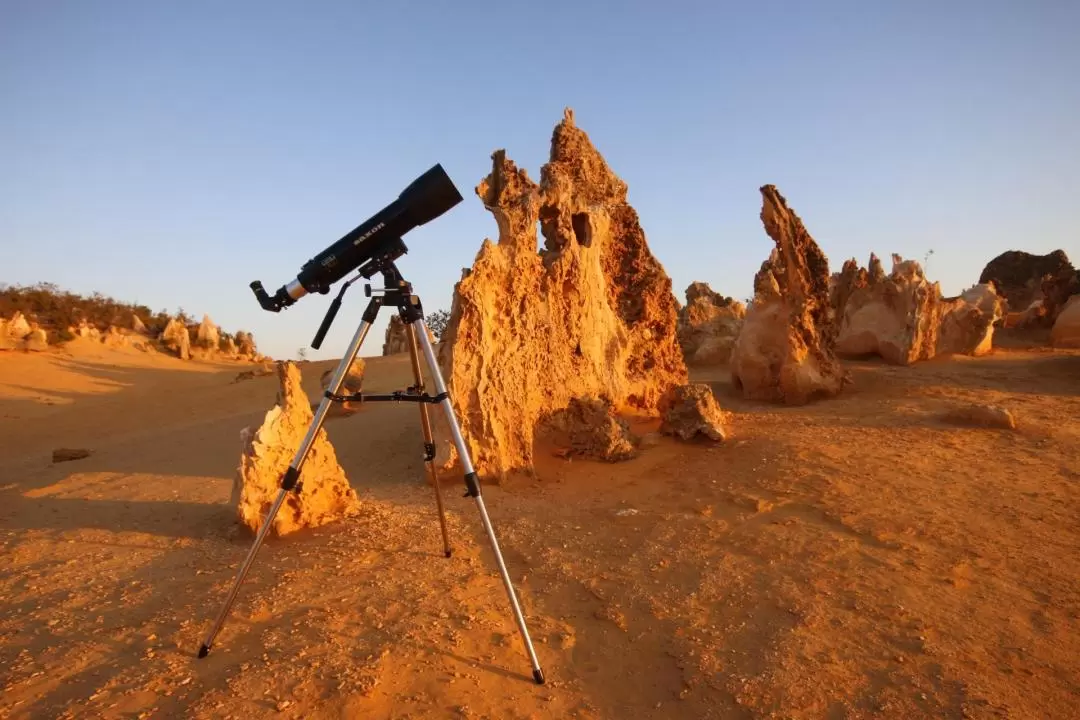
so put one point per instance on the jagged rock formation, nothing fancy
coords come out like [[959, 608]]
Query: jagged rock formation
[[1018, 276], [784, 352], [902, 317], [590, 315], [692, 410], [397, 338], [708, 325], [1066, 330], [176, 338], [138, 326], [266, 454]]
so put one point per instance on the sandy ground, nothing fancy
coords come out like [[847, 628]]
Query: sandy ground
[[856, 558]]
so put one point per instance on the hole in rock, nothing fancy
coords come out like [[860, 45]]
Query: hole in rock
[[582, 231]]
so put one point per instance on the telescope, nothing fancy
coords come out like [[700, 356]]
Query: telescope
[[378, 238], [373, 248]]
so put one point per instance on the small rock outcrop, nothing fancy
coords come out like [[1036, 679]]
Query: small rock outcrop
[[138, 326], [60, 455], [326, 495], [397, 337], [589, 428], [591, 314], [1018, 276], [1066, 330], [989, 416], [690, 411], [354, 383], [36, 340], [784, 352], [708, 325], [175, 337], [1057, 290], [903, 318]]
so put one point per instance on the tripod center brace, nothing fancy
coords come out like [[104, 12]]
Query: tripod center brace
[[396, 293]]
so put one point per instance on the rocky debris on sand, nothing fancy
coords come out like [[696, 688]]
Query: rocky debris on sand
[[692, 410], [1066, 330], [589, 427], [326, 494], [1018, 276], [591, 314], [902, 317], [176, 338], [397, 337], [708, 325], [784, 352], [266, 369], [992, 416], [67, 454]]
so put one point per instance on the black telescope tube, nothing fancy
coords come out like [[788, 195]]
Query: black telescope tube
[[426, 198]]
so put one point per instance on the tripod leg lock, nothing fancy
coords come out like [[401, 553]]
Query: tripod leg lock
[[291, 479], [472, 485], [429, 452]]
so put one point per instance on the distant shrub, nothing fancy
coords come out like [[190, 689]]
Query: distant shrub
[[56, 310], [437, 322]]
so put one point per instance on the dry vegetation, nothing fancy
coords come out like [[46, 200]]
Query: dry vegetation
[[57, 310]]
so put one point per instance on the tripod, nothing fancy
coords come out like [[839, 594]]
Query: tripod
[[397, 293]]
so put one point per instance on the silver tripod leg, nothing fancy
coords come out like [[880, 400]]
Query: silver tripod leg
[[429, 440], [473, 485], [290, 481]]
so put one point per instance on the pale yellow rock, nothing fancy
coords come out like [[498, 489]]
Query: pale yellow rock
[[208, 335], [18, 327], [36, 340], [176, 338], [325, 495], [708, 325], [1066, 330], [903, 318], [397, 337]]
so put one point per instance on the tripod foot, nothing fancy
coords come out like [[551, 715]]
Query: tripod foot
[[448, 553], [538, 676], [204, 650]]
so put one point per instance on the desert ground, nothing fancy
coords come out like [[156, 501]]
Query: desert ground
[[857, 557]]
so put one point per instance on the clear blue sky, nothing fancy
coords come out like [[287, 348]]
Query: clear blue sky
[[170, 153]]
